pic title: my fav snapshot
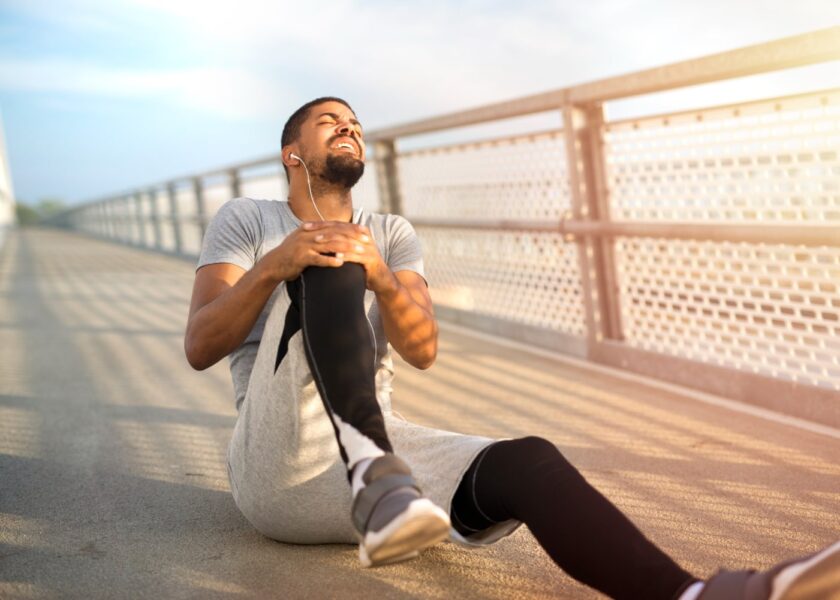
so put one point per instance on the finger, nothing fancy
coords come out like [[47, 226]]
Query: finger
[[339, 245], [322, 260], [341, 237], [317, 225], [326, 236], [362, 259], [359, 232]]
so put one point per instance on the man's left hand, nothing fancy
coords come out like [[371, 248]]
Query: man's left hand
[[354, 243]]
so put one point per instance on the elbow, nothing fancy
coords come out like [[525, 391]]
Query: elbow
[[193, 353], [429, 354], [193, 359], [421, 363], [425, 364], [427, 358]]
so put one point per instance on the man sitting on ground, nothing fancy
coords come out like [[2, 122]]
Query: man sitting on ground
[[308, 297]]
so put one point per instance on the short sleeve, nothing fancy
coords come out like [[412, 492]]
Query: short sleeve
[[404, 250], [233, 235]]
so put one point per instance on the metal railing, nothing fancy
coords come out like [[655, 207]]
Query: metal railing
[[699, 247]]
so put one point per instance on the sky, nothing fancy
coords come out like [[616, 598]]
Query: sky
[[99, 96]]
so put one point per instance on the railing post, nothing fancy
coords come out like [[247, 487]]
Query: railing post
[[583, 128], [388, 182], [173, 214], [119, 218], [284, 185], [108, 211], [102, 225], [235, 187], [155, 217], [125, 219], [200, 207], [141, 221]]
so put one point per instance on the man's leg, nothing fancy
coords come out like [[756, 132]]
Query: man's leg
[[328, 304], [584, 533], [394, 521], [590, 539]]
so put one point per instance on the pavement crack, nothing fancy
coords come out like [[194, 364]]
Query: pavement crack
[[92, 551]]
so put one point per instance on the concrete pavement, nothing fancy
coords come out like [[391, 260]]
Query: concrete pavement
[[112, 479]]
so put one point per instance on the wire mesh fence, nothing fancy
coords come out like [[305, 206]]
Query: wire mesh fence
[[702, 247]]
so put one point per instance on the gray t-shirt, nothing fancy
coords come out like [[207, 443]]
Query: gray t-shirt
[[244, 230]]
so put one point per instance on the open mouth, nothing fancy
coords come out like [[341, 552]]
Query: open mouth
[[345, 146]]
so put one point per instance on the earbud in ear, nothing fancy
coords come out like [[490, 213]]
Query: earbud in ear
[[293, 155]]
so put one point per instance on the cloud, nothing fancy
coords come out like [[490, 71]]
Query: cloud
[[406, 60], [394, 60], [231, 93]]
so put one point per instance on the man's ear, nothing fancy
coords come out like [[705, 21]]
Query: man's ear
[[286, 156]]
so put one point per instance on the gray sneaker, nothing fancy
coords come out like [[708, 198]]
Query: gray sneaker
[[813, 577], [393, 520]]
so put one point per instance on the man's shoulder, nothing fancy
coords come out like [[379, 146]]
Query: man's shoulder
[[262, 210], [389, 219], [247, 204]]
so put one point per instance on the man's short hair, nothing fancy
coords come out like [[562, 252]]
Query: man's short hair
[[291, 130]]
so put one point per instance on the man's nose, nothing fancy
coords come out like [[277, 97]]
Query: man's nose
[[345, 127]]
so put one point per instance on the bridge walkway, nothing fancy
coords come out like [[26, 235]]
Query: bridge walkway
[[112, 478]]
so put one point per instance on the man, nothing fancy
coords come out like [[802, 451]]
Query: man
[[306, 296]]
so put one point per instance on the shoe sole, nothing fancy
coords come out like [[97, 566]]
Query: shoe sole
[[421, 525], [816, 578]]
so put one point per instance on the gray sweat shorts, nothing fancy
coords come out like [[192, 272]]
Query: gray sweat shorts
[[285, 470]]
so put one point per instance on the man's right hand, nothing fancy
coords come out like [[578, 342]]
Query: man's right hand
[[306, 247], [227, 299]]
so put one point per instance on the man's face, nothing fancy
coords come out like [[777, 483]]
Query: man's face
[[332, 144]]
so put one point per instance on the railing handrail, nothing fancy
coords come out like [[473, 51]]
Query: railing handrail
[[800, 50]]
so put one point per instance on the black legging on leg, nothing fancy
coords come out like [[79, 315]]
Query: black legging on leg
[[328, 304], [584, 533]]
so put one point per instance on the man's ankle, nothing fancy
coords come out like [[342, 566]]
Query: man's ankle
[[358, 473]]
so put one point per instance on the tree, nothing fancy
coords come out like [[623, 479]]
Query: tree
[[31, 215], [26, 215]]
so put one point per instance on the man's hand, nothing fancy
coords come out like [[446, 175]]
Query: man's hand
[[350, 243], [302, 248], [404, 302]]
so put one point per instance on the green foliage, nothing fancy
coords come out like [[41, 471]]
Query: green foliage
[[26, 215], [31, 215], [49, 206]]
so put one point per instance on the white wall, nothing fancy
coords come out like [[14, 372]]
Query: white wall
[[7, 194]]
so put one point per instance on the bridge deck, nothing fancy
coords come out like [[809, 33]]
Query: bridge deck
[[111, 452]]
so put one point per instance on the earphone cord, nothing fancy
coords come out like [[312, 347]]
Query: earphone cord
[[309, 185]]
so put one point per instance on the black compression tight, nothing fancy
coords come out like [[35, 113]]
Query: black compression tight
[[328, 304], [528, 479]]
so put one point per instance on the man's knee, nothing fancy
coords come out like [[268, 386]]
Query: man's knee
[[529, 455], [348, 278]]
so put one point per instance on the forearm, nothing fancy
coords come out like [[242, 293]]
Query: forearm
[[411, 329], [220, 326]]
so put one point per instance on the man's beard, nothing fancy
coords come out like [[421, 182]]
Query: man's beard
[[342, 170]]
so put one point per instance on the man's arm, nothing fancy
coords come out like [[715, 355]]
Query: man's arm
[[227, 300], [408, 319]]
